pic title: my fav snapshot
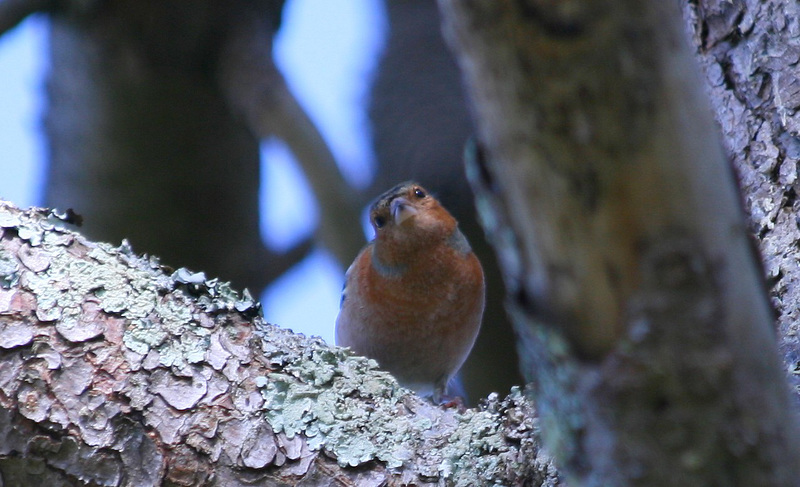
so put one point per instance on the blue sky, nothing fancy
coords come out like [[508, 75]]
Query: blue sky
[[327, 50]]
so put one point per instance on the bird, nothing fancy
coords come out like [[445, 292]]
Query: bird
[[414, 296]]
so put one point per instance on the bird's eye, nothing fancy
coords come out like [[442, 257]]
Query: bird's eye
[[419, 193], [380, 221]]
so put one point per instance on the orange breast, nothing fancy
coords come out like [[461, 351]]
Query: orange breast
[[420, 324]]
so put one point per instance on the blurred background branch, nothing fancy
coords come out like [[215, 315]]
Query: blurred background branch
[[12, 12]]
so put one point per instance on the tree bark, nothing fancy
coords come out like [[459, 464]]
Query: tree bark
[[113, 372], [642, 318], [749, 53]]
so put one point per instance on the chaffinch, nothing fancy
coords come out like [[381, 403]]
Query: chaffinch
[[414, 296]]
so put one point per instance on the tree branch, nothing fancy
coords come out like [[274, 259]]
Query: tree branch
[[13, 12], [256, 89], [114, 373]]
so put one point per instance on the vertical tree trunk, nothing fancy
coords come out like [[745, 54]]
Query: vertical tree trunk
[[156, 111], [643, 322], [141, 141], [749, 52]]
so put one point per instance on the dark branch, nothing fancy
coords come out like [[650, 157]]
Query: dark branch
[[256, 89], [12, 12]]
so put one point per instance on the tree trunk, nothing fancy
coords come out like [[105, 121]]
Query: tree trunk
[[643, 322], [749, 52], [115, 373], [141, 140], [155, 113]]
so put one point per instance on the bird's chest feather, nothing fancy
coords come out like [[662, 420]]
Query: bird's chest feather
[[434, 287]]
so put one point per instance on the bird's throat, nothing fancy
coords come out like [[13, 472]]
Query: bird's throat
[[384, 268]]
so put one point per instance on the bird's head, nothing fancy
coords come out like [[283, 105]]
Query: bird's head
[[408, 215]]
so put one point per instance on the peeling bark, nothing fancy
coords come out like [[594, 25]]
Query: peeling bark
[[114, 372]]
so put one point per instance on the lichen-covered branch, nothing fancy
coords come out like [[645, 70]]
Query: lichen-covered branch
[[638, 302], [115, 372]]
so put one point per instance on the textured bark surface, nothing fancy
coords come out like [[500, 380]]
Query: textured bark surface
[[749, 52], [113, 372], [642, 318]]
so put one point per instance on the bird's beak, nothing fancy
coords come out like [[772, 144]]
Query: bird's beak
[[402, 210]]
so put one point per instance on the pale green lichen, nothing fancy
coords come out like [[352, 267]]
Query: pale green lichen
[[121, 284], [359, 414], [172, 332], [195, 344], [467, 448], [9, 219], [31, 234], [9, 270], [213, 295], [143, 334], [337, 401]]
